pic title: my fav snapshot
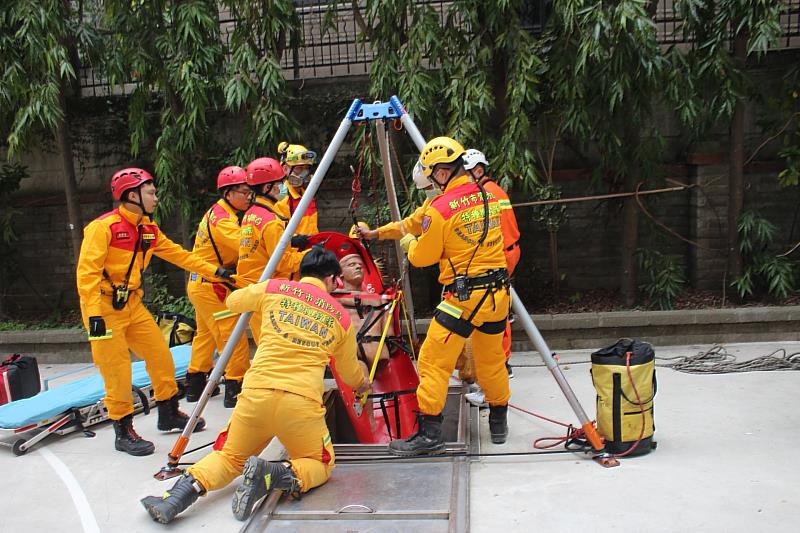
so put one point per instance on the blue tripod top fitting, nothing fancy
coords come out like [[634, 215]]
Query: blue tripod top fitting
[[359, 112]]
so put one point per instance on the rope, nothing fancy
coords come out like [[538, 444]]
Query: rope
[[408, 326], [717, 360]]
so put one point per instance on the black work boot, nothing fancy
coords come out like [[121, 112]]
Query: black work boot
[[498, 423], [428, 439], [195, 383], [232, 390], [170, 417], [259, 479], [182, 494], [128, 441]]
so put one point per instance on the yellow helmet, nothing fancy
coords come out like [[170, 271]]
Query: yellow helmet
[[439, 150], [353, 233], [296, 154]]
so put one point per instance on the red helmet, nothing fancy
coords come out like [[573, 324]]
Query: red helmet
[[127, 179], [231, 176], [264, 170]]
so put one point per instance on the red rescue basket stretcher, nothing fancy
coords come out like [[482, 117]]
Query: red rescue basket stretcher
[[393, 399]]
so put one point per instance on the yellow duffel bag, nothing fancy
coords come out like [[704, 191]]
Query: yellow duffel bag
[[624, 377]]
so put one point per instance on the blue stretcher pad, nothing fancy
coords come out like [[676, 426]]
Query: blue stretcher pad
[[80, 393]]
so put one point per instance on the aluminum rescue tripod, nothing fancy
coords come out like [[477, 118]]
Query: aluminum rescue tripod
[[358, 112]]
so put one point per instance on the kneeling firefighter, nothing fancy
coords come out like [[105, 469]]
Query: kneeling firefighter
[[117, 248], [461, 231], [217, 241], [303, 327]]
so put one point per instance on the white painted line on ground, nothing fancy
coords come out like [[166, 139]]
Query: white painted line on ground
[[85, 513]]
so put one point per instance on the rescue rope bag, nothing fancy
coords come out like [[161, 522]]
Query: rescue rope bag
[[624, 377]]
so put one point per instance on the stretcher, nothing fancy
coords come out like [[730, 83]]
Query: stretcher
[[393, 400], [76, 406]]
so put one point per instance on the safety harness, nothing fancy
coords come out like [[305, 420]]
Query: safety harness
[[448, 315], [121, 293], [270, 209]]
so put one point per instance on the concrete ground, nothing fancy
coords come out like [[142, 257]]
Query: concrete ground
[[724, 462]]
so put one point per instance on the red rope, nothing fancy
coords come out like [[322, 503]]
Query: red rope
[[572, 431], [355, 186], [578, 433]]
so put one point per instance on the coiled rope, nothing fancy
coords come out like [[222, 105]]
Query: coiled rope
[[717, 360]]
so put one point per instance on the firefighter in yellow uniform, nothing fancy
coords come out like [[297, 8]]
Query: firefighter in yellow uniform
[[262, 227], [296, 161], [461, 231], [116, 249], [282, 395], [217, 241]]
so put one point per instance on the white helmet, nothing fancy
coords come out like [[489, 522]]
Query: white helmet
[[420, 180], [472, 157]]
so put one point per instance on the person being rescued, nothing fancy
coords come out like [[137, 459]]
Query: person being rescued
[[362, 308], [303, 327]]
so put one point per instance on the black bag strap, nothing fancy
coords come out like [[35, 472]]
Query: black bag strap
[[133, 260], [211, 238], [11, 360], [271, 210]]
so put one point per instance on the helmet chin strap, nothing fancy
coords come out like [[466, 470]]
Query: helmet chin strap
[[138, 203], [270, 195], [449, 178]]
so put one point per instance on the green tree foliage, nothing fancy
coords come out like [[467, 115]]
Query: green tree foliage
[[762, 269], [34, 62], [663, 277], [253, 80], [173, 54], [705, 80]]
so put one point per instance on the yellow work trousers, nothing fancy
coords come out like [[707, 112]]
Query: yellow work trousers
[[441, 349], [215, 323], [132, 328], [260, 415]]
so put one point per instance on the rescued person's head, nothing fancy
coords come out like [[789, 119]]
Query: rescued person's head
[[321, 264], [352, 271]]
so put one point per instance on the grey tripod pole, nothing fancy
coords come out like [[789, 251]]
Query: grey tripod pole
[[175, 454], [536, 338]]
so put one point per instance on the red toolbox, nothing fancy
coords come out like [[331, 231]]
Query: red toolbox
[[19, 378]]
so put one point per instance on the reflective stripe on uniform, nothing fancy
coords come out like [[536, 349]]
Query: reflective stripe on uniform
[[505, 204], [220, 315], [101, 337], [451, 310]]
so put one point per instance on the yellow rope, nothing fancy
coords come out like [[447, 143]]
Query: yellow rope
[[408, 327], [363, 398], [380, 344]]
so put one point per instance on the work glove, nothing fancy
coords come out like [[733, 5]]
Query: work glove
[[225, 273], [97, 326], [300, 241], [406, 241]]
